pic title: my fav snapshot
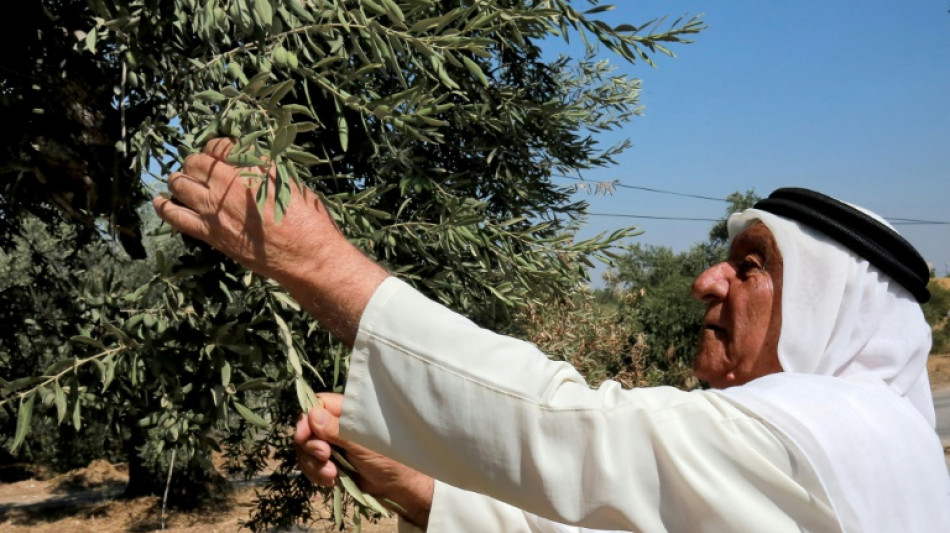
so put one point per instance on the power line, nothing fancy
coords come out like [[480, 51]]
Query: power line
[[674, 193], [914, 221], [894, 221], [617, 183], [653, 217], [897, 221]]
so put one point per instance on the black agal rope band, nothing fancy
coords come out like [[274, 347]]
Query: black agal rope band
[[862, 234]]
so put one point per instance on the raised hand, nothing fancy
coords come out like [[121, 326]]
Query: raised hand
[[219, 207], [305, 252]]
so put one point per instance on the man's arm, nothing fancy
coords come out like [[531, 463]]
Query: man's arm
[[306, 252], [418, 498], [492, 415]]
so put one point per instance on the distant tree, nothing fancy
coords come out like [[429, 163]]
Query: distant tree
[[937, 313], [432, 129], [658, 283], [39, 283]]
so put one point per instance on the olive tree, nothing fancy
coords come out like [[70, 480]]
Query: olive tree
[[432, 129]]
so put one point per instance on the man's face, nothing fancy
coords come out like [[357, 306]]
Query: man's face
[[743, 296]]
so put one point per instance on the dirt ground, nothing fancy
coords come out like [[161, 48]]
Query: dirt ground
[[85, 501]]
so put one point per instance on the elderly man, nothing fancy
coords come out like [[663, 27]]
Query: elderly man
[[821, 419]]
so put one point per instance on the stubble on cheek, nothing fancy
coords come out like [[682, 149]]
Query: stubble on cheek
[[710, 360]]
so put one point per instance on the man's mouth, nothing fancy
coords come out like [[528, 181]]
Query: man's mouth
[[714, 328]]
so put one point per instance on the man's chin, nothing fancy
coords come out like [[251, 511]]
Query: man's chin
[[711, 369], [704, 377]]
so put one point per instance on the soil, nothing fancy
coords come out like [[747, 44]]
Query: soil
[[87, 500]]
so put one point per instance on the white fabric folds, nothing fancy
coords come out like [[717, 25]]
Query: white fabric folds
[[854, 395], [493, 416]]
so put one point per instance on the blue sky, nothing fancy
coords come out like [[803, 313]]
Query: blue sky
[[849, 98]]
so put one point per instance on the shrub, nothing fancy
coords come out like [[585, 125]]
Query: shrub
[[937, 313]]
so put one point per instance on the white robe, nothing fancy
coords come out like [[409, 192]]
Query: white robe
[[492, 415]]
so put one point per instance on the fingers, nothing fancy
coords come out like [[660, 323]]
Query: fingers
[[313, 455], [332, 402], [311, 446], [181, 218], [318, 449], [202, 167], [302, 430], [307, 443], [321, 472], [211, 162], [219, 148], [324, 425], [190, 192]]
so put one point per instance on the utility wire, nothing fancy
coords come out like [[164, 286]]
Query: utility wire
[[913, 221], [650, 189], [661, 191], [652, 217], [897, 221], [894, 221]]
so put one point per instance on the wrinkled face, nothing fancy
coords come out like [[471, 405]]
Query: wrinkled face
[[743, 297]]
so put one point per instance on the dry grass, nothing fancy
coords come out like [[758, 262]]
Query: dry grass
[[938, 367], [943, 282]]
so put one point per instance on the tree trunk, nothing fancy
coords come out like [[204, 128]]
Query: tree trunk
[[142, 481], [193, 481]]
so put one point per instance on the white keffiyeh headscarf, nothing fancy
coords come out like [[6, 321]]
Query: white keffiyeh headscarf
[[841, 317], [854, 393]]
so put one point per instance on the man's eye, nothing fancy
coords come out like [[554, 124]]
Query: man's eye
[[747, 266]]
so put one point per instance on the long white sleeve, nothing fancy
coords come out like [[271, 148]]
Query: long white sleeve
[[455, 510], [492, 415]]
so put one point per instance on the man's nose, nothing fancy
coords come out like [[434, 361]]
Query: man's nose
[[713, 283]]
